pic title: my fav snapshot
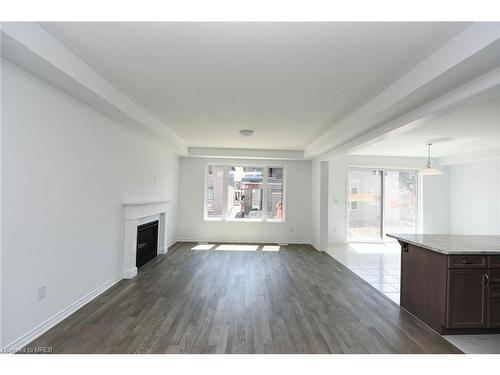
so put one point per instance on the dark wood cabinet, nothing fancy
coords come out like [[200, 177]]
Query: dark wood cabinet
[[494, 276], [421, 275], [467, 261], [451, 293], [494, 313], [466, 298]]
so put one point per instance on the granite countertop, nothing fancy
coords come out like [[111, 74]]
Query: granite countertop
[[451, 244]]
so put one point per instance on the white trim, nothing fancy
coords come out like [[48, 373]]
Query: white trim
[[28, 337], [265, 187], [136, 214], [225, 192], [135, 211], [314, 245], [257, 241], [130, 274], [242, 153]]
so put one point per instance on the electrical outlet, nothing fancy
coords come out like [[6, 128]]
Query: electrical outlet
[[291, 228], [42, 292]]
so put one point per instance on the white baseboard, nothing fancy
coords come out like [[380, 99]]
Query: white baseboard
[[21, 342], [169, 246], [258, 241], [130, 274], [315, 245]]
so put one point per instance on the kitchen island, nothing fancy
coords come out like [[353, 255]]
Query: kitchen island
[[451, 282]]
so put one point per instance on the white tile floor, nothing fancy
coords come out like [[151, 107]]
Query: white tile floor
[[380, 266], [377, 264]]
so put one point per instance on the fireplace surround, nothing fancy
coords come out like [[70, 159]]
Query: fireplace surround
[[137, 214]]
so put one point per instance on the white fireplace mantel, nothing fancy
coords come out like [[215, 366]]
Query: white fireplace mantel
[[137, 213]]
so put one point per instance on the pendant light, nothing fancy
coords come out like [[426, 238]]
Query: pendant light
[[428, 170]]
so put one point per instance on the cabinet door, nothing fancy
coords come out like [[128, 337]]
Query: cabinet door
[[466, 298], [494, 313]]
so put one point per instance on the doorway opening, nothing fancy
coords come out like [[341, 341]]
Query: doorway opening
[[380, 201]]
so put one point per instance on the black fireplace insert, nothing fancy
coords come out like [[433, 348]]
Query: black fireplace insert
[[147, 243]]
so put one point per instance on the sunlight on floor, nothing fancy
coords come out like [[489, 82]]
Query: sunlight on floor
[[203, 247], [237, 247], [271, 248], [370, 248]]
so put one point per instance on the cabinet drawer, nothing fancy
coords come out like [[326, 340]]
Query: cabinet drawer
[[494, 276], [494, 291], [494, 261], [467, 261]]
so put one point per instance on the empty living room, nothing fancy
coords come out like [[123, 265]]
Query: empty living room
[[250, 188]]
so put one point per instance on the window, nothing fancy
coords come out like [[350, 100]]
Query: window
[[210, 198], [245, 185], [215, 191], [245, 193], [275, 193]]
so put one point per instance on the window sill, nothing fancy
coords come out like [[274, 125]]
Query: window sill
[[268, 221]]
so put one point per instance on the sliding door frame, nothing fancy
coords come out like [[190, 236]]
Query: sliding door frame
[[418, 200]]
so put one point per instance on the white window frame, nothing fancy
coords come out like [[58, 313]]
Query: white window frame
[[265, 179], [418, 200]]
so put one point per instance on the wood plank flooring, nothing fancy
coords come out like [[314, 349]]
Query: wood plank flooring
[[297, 300]]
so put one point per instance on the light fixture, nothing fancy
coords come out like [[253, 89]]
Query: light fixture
[[246, 132], [428, 170]]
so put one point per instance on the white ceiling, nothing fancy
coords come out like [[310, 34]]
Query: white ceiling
[[475, 127], [286, 81]]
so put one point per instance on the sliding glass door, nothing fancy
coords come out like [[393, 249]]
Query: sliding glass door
[[364, 205], [379, 202], [400, 211]]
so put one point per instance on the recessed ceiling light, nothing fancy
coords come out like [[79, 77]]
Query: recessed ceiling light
[[246, 132]]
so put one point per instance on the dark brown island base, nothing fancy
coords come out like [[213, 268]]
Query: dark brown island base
[[451, 282]]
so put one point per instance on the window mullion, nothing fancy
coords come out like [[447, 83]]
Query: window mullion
[[264, 192], [225, 192]]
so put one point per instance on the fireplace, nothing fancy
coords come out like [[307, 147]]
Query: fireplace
[[140, 215], [147, 243]]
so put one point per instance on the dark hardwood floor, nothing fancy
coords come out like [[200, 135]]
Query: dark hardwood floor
[[297, 300]]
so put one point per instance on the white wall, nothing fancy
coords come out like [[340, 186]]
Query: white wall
[[435, 205], [475, 197], [192, 227], [316, 203], [320, 204], [66, 170]]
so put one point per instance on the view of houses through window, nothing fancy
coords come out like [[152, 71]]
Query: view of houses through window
[[380, 202], [240, 192], [215, 191]]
